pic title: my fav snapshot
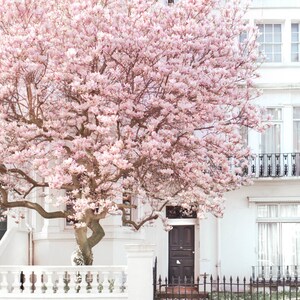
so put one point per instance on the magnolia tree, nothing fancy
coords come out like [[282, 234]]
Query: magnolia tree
[[101, 99]]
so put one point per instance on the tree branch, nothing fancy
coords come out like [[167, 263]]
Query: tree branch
[[31, 205]]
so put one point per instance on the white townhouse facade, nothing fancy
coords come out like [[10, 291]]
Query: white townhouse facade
[[261, 223]]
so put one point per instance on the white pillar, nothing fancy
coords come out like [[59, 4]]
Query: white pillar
[[139, 271]]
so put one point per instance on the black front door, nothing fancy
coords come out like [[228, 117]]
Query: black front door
[[181, 253]]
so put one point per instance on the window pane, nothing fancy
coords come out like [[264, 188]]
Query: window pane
[[296, 136], [243, 36], [294, 57], [289, 210], [271, 139], [267, 211], [277, 38], [295, 37], [275, 113], [268, 244], [290, 244], [277, 58], [277, 49], [295, 27], [277, 28], [268, 38], [296, 113], [268, 28], [294, 48], [268, 49]]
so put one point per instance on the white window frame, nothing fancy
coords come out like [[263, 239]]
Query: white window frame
[[297, 43], [273, 122], [272, 44], [279, 220], [295, 120]]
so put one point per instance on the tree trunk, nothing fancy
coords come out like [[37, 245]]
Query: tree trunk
[[84, 254]]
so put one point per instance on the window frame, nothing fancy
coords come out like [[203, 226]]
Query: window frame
[[297, 43], [279, 220], [263, 43]]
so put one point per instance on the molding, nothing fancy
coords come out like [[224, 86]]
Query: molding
[[278, 86], [277, 199]]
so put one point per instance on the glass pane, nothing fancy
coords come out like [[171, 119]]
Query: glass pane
[[268, 244], [277, 38], [277, 49], [295, 37], [294, 48], [260, 27], [295, 27], [294, 57], [296, 136], [277, 58], [268, 38], [271, 139], [290, 244], [277, 28], [275, 113], [268, 49], [296, 113], [267, 211], [289, 210], [243, 37], [268, 28]]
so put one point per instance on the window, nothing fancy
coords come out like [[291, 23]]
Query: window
[[178, 212], [271, 138], [295, 42], [296, 125], [270, 41], [278, 234], [127, 200]]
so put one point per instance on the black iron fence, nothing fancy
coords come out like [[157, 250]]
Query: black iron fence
[[207, 287], [274, 165]]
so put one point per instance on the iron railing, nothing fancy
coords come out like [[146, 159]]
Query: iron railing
[[207, 287], [273, 165]]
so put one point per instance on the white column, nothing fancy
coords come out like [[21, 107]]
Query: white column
[[139, 271]]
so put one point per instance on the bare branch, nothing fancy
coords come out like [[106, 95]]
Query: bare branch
[[4, 203]]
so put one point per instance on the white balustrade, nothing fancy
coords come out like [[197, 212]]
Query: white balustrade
[[105, 281]]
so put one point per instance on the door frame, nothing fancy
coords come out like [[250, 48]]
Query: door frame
[[195, 223]]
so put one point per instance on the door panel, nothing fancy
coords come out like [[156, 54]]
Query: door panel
[[181, 253]]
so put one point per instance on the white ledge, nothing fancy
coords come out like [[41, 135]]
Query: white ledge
[[286, 199]]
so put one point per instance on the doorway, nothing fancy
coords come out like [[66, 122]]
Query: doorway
[[181, 253]]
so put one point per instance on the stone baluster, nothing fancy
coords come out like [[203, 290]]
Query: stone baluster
[[27, 282], [117, 275], [4, 287], [16, 284], [88, 279], [38, 282], [62, 282], [99, 283], [95, 283], [80, 282], [48, 283], [73, 282], [105, 282]]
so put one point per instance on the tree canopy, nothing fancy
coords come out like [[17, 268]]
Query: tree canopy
[[105, 98]]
